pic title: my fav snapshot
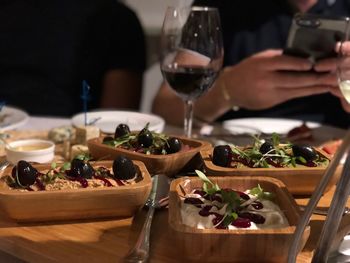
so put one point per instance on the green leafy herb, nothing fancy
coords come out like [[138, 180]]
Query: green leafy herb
[[65, 167], [229, 218], [130, 142], [280, 156], [53, 165], [208, 186], [232, 199], [259, 192], [83, 157], [275, 139]]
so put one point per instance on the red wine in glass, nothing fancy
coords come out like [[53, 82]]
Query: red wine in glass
[[190, 82]]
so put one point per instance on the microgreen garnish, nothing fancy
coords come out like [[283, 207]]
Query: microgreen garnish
[[229, 218], [270, 153], [65, 166], [275, 139], [259, 192], [144, 141], [53, 165], [208, 186], [232, 199], [83, 157], [233, 203]]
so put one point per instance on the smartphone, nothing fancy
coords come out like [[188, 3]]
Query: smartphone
[[315, 36]]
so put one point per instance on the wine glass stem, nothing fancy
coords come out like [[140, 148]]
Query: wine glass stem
[[188, 118]]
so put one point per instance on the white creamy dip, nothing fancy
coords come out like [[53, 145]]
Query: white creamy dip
[[274, 217]]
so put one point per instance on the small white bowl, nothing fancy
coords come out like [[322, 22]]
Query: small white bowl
[[32, 150]]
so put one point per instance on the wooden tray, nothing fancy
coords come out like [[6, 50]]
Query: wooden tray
[[76, 203], [263, 245], [168, 164], [299, 180]]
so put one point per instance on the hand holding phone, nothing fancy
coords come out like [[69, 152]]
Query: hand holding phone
[[315, 36]]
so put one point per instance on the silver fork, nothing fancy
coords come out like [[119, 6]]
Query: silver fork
[[160, 190]]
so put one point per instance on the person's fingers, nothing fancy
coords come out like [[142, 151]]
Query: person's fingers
[[325, 65], [302, 92], [300, 79], [285, 62], [274, 60], [336, 92], [344, 47]]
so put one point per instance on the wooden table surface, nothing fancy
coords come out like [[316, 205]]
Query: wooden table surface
[[110, 239]]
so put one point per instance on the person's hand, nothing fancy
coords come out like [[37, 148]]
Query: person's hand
[[261, 81], [330, 65], [269, 78]]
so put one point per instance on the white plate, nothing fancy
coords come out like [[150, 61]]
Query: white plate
[[109, 120], [11, 118], [264, 125]]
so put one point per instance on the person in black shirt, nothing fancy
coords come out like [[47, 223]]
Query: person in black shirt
[[257, 77], [47, 48]]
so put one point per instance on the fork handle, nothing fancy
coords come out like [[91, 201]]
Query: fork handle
[[140, 252]]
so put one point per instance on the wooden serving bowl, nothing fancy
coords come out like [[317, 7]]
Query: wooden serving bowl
[[121, 201], [169, 164], [243, 245], [299, 180]]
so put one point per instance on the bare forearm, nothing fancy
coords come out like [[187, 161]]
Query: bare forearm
[[213, 104], [169, 106]]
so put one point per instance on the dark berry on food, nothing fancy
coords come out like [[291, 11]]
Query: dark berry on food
[[108, 139], [173, 145], [256, 218], [123, 168], [145, 138], [121, 130], [26, 173], [267, 147], [80, 168], [222, 155], [305, 151]]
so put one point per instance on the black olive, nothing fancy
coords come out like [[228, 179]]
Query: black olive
[[80, 168], [173, 145], [267, 147], [108, 139], [145, 138], [121, 130], [222, 155], [26, 173], [123, 168], [305, 151]]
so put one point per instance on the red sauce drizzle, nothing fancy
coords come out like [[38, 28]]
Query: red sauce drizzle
[[244, 218], [106, 181], [84, 183], [119, 182]]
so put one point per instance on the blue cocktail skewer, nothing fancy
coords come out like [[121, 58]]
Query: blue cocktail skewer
[[85, 98]]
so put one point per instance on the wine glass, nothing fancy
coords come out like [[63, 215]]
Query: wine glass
[[343, 71], [191, 53]]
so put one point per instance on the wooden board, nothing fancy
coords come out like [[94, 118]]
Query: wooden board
[[110, 240]]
